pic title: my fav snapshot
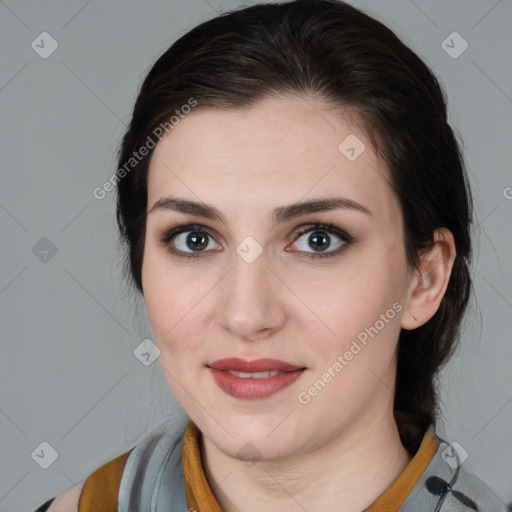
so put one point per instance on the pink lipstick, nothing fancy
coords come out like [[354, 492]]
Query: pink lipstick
[[260, 378]]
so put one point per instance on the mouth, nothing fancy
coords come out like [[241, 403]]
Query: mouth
[[256, 366], [253, 379], [253, 375]]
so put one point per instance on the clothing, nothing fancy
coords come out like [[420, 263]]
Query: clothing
[[164, 473]]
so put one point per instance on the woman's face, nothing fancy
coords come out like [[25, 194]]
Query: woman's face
[[244, 284]]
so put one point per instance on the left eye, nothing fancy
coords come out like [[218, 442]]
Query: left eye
[[319, 239]]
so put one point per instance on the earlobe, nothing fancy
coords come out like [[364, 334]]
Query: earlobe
[[430, 281]]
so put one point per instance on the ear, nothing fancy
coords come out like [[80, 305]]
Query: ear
[[430, 281]]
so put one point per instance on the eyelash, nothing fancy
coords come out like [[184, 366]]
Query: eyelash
[[167, 236]]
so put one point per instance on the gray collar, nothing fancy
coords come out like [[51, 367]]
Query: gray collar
[[153, 480]]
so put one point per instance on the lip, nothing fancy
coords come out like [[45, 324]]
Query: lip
[[258, 365], [253, 388]]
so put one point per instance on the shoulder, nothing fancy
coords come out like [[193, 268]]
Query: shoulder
[[112, 481], [66, 501], [154, 471], [98, 492], [467, 489], [449, 485]]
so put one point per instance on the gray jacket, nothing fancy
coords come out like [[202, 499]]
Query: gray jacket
[[153, 480]]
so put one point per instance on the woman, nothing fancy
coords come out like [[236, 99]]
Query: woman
[[296, 214]]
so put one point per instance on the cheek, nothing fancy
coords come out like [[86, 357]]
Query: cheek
[[163, 294], [361, 303], [171, 315], [356, 362], [174, 297], [352, 296]]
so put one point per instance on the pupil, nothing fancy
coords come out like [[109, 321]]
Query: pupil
[[195, 237], [324, 245]]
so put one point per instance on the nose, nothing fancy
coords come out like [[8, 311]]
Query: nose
[[252, 304]]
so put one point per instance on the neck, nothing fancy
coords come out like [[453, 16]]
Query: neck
[[354, 468]]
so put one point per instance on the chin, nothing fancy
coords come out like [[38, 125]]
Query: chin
[[258, 438]]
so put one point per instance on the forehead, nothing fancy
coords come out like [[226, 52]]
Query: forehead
[[279, 151]]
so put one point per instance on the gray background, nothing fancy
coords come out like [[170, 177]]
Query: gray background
[[68, 324]]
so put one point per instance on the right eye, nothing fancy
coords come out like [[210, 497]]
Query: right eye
[[187, 241]]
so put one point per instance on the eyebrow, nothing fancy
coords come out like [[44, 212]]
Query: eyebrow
[[279, 215]]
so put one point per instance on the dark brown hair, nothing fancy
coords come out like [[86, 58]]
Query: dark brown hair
[[336, 52]]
